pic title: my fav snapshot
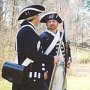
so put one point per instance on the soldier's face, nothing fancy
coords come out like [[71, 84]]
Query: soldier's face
[[52, 24]]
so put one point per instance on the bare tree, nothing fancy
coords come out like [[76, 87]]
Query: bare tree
[[1, 12]]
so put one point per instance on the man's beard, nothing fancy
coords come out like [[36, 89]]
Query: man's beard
[[52, 27]]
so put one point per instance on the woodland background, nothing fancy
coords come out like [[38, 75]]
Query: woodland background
[[75, 13]]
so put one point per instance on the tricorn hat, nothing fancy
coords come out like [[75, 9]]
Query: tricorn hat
[[51, 16], [30, 11]]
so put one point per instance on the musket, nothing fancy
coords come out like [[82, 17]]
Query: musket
[[55, 66], [66, 59], [66, 48]]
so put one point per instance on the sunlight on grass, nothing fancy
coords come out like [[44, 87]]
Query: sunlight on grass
[[78, 83], [81, 54], [5, 85]]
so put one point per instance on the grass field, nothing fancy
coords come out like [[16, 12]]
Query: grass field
[[78, 83], [78, 77], [5, 85], [73, 83], [80, 54]]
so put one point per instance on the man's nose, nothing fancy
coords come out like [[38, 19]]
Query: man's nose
[[51, 23]]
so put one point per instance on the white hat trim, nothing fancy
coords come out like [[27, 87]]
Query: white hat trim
[[30, 9], [50, 13]]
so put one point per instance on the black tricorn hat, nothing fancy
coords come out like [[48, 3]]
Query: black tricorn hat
[[51, 16], [30, 11]]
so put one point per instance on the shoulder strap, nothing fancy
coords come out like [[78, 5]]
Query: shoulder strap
[[53, 43], [27, 61]]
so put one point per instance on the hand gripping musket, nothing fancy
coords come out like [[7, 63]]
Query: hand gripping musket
[[55, 66]]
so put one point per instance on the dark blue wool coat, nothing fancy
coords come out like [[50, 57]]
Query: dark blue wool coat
[[27, 40]]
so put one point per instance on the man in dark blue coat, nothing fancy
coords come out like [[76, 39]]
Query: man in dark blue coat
[[50, 40], [27, 47]]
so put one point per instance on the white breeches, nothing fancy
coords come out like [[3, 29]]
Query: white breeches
[[59, 78]]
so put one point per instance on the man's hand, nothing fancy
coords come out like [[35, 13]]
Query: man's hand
[[45, 75], [56, 59], [69, 63]]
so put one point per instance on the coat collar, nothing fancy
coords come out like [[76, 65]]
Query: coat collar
[[31, 24], [53, 34], [27, 23]]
